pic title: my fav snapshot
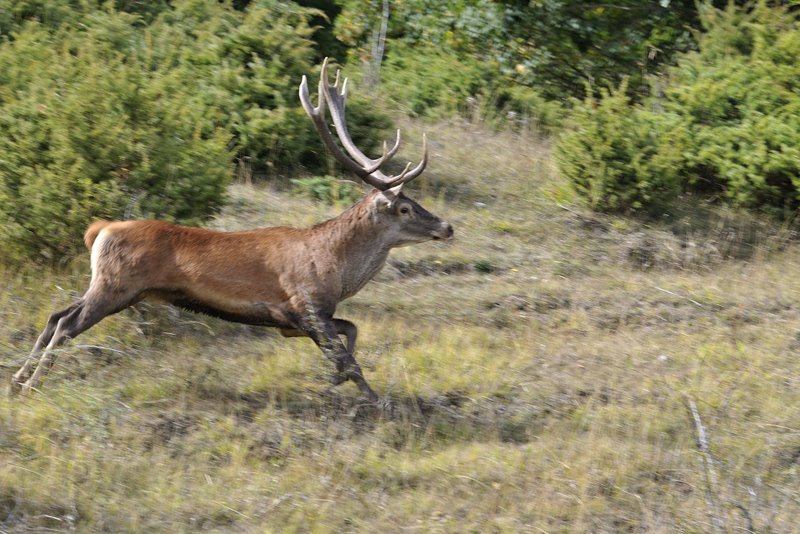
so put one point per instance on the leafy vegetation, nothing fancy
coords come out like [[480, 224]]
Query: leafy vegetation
[[726, 124], [443, 59], [539, 369], [740, 94], [622, 158], [146, 114], [552, 369], [327, 189], [88, 134], [559, 46], [551, 47]]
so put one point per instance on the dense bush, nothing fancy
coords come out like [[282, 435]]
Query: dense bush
[[88, 132], [729, 124], [109, 113], [444, 59], [621, 158], [740, 95], [449, 82], [437, 83], [548, 47]]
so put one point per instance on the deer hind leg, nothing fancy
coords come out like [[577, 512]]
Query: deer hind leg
[[78, 318], [25, 371]]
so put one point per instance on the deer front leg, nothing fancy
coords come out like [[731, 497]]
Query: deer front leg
[[325, 333], [343, 328], [347, 329]]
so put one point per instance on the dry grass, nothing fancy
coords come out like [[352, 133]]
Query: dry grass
[[540, 369]]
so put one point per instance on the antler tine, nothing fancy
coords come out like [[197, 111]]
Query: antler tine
[[335, 95], [400, 178], [317, 115], [336, 82], [406, 175], [396, 145]]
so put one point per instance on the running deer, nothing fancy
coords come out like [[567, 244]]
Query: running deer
[[288, 278]]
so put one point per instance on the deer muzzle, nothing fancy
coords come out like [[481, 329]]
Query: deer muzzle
[[445, 231]]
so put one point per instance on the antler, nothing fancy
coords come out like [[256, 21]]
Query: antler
[[366, 168]]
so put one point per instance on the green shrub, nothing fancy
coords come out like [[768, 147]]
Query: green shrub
[[730, 129], [740, 94], [248, 66], [327, 189], [439, 83], [88, 133], [529, 106], [621, 158], [448, 80], [110, 114]]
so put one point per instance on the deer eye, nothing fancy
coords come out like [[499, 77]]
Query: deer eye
[[404, 210]]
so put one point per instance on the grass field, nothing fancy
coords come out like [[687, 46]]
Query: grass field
[[550, 370]]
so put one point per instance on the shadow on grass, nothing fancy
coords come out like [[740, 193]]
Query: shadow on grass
[[400, 419]]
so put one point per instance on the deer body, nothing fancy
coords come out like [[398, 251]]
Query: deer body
[[289, 278], [191, 268], [278, 271]]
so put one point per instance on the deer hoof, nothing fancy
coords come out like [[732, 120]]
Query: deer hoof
[[21, 376], [20, 389], [370, 396], [14, 388], [338, 378]]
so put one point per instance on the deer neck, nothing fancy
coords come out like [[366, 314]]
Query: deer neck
[[359, 244]]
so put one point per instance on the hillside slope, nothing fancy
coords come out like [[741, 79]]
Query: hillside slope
[[549, 371]]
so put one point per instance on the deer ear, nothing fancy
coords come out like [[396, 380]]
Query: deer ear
[[385, 199], [395, 190]]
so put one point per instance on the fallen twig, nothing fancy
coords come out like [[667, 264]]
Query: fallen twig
[[668, 292], [707, 466]]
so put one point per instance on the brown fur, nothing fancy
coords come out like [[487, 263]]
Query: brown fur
[[290, 278]]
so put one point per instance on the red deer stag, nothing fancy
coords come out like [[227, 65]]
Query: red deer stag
[[287, 278]]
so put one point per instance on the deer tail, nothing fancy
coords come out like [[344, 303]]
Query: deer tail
[[92, 231]]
